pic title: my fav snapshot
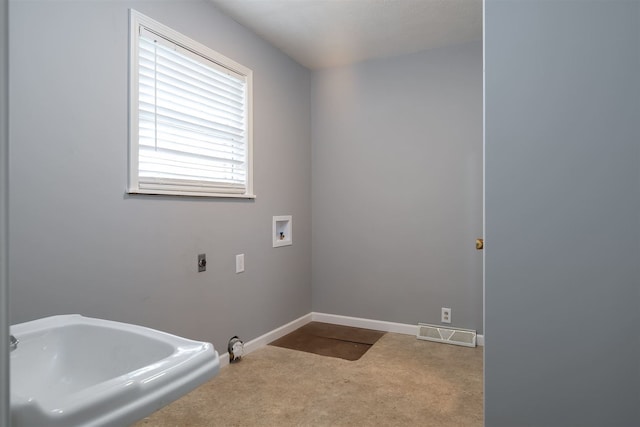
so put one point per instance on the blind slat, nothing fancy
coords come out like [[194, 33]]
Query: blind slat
[[177, 135], [194, 162], [153, 43], [161, 74], [150, 87], [178, 149], [206, 112], [196, 125], [173, 67]]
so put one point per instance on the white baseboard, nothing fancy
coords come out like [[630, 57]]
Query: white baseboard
[[357, 322], [265, 339], [378, 325], [224, 359], [336, 319]]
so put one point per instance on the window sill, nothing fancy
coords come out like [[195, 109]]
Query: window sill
[[191, 194]]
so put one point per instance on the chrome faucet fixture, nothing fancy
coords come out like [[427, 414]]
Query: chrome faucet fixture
[[13, 343]]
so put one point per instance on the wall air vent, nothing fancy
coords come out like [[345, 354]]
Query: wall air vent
[[457, 336]]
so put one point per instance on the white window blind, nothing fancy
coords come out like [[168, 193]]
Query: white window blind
[[192, 120]]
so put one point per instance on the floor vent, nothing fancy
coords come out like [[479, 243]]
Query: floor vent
[[465, 337]]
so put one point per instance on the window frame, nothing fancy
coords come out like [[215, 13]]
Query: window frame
[[136, 21]]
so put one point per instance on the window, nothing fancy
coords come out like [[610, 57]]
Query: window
[[190, 116]]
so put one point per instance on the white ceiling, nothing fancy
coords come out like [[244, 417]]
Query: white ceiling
[[329, 33]]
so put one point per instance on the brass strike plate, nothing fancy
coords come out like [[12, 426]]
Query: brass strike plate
[[479, 244]]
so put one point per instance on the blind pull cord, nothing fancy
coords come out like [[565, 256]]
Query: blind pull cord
[[155, 93]]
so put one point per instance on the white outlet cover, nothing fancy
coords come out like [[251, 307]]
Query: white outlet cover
[[446, 315], [239, 263]]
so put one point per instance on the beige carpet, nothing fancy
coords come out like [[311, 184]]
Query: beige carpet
[[400, 381]]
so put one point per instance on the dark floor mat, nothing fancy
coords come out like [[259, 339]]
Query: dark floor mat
[[330, 340]]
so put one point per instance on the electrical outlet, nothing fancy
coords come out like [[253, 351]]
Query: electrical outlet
[[445, 317], [202, 263], [239, 263]]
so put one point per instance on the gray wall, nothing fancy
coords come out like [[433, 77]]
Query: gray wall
[[4, 226], [562, 213], [397, 187], [80, 245]]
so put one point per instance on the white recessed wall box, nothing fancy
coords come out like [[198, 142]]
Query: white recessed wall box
[[282, 231]]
